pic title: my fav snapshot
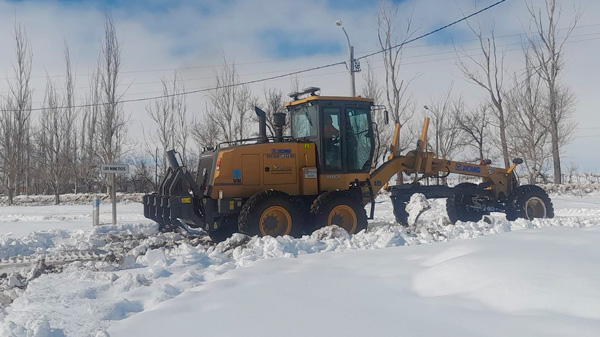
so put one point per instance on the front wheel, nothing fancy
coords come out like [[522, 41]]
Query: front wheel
[[270, 213], [340, 208], [529, 202]]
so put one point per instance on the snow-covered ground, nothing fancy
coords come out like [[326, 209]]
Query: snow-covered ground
[[520, 278]]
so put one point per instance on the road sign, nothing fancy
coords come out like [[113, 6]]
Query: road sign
[[114, 168]]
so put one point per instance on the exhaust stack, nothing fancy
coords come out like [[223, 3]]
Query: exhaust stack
[[172, 159], [279, 121], [262, 125]]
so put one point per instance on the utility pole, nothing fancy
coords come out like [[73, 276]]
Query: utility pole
[[437, 135], [353, 65]]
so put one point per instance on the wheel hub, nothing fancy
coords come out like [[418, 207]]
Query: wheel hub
[[535, 208], [275, 221], [343, 216]]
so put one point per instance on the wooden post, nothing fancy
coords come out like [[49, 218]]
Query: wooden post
[[113, 198]]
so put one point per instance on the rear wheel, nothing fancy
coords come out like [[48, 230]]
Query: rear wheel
[[270, 213], [340, 208], [530, 202], [460, 205]]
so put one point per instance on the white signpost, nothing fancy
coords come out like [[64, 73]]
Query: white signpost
[[113, 169]]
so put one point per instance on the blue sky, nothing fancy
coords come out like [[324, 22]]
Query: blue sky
[[269, 37], [280, 44]]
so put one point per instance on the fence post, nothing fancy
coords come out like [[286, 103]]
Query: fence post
[[96, 212]]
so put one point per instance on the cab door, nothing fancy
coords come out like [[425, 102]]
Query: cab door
[[358, 139]]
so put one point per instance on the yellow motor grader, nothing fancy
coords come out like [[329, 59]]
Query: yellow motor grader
[[321, 175]]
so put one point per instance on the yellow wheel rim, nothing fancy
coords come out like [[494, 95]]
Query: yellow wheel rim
[[343, 216], [275, 221]]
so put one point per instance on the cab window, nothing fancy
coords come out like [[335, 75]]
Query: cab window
[[359, 141], [331, 139]]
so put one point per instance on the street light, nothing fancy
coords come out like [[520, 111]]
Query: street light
[[351, 65]]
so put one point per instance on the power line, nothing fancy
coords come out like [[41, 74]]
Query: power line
[[454, 57], [135, 71], [277, 76], [434, 31], [309, 57], [420, 56], [193, 91]]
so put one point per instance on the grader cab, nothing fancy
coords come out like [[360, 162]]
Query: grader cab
[[321, 175]]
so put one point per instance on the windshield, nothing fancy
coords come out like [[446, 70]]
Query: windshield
[[304, 121]]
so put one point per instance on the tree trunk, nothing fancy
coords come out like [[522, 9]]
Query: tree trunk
[[11, 194], [503, 141], [555, 153]]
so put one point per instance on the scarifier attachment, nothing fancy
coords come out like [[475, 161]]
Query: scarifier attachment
[[173, 202]]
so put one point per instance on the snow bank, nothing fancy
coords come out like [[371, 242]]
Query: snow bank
[[526, 283], [87, 298], [70, 199]]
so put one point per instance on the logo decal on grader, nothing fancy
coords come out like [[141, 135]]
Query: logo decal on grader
[[281, 150], [281, 169], [468, 168]]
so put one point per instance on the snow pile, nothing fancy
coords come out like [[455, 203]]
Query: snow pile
[[70, 199], [99, 295], [572, 189], [516, 284], [88, 298]]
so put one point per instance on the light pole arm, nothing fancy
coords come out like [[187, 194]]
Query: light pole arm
[[347, 38]]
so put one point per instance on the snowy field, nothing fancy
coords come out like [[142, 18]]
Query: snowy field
[[490, 278]]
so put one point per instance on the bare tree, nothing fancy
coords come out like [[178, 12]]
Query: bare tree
[[142, 176], [169, 114], [243, 110], [205, 133], [88, 157], [398, 100], [548, 50], [54, 141], [69, 118], [565, 107], [475, 124], [371, 88], [529, 132], [487, 71], [111, 120], [229, 107], [273, 102], [447, 136], [15, 116], [294, 84]]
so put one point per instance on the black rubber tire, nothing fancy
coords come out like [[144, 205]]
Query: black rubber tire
[[529, 202], [288, 216], [336, 208], [457, 205]]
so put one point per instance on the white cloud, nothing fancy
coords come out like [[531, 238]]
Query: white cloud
[[195, 36]]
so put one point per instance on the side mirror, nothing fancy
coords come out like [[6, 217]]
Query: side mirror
[[386, 117], [518, 161]]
